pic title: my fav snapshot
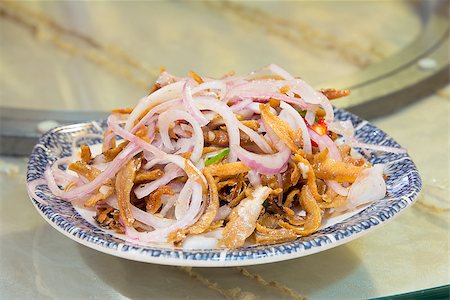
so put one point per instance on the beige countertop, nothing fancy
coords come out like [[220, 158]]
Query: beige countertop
[[47, 67]]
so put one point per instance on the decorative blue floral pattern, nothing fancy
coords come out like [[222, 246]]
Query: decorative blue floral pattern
[[404, 184]]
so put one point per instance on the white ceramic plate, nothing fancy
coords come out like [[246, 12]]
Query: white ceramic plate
[[403, 186]]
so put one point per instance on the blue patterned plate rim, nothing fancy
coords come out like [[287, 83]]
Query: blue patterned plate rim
[[404, 184]]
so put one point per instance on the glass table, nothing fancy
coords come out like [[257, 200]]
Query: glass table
[[80, 59]]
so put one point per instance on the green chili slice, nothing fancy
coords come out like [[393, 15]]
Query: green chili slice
[[217, 157]]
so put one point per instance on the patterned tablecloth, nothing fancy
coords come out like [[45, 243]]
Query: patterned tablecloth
[[101, 55]]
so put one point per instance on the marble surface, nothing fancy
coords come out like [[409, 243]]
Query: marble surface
[[316, 40], [408, 254]]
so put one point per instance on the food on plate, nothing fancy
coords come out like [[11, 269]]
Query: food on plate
[[203, 162]]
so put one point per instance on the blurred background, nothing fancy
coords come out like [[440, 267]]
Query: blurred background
[[75, 60], [72, 61], [105, 54]]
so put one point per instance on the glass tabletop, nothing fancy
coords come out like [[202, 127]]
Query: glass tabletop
[[104, 55]]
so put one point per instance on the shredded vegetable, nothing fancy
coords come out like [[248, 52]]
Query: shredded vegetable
[[242, 159]]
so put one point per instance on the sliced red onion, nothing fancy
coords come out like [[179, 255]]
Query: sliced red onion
[[169, 202], [267, 164], [263, 96], [211, 85], [285, 116], [137, 111], [344, 128], [185, 145], [164, 94], [81, 191], [176, 186], [267, 86], [191, 107], [276, 141], [310, 116], [329, 112], [310, 95], [150, 115], [151, 163], [61, 177], [233, 81], [157, 142], [134, 139], [151, 129], [255, 108], [368, 187], [145, 189], [168, 117], [299, 123], [264, 90], [183, 163], [246, 113], [280, 72], [107, 142], [256, 138], [160, 235], [240, 105], [209, 103], [307, 92], [32, 187], [324, 141], [209, 115], [182, 203], [142, 216], [337, 187], [164, 134]]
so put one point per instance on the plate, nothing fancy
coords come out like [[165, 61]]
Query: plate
[[403, 186]]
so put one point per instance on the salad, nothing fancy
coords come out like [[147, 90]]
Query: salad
[[204, 163]]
